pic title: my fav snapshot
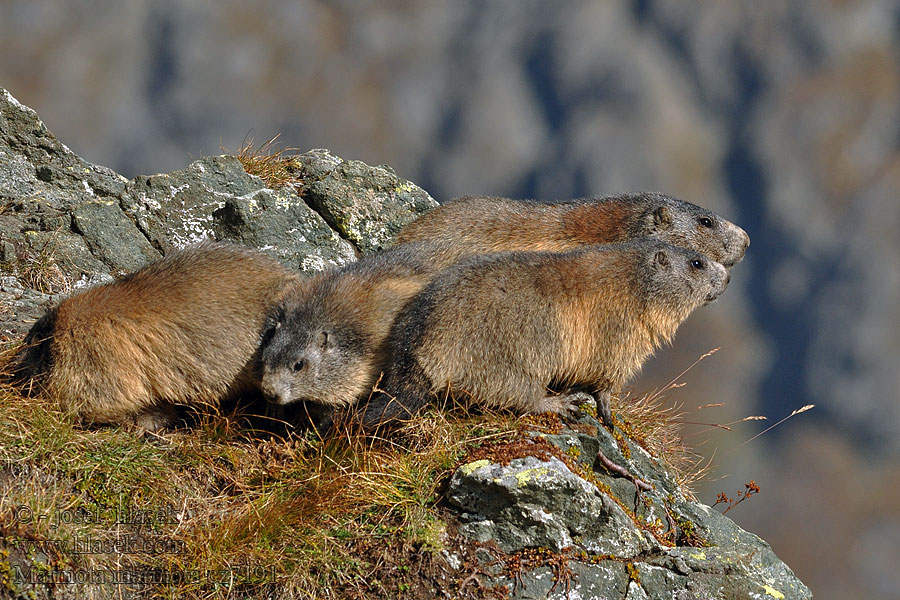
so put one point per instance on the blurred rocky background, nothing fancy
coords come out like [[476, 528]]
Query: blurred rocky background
[[782, 116]]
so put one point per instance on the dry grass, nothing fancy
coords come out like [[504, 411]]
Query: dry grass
[[658, 427], [253, 514], [270, 162], [256, 514], [39, 268]]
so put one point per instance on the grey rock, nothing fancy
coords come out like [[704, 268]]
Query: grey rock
[[537, 584], [214, 198], [283, 225], [174, 210], [37, 166], [534, 503], [605, 580], [719, 573], [19, 307], [367, 205], [111, 235]]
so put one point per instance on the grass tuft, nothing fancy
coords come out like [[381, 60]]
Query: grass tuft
[[39, 267], [658, 427], [270, 162]]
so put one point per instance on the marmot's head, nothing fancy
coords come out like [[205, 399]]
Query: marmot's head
[[309, 353], [687, 225], [675, 281]]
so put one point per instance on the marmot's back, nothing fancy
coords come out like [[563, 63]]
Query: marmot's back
[[482, 225], [181, 330]]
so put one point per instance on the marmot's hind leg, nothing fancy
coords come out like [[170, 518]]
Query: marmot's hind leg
[[156, 417]]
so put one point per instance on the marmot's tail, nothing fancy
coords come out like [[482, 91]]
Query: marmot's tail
[[33, 358]]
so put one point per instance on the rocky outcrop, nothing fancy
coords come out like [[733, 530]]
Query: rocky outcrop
[[65, 223], [552, 493]]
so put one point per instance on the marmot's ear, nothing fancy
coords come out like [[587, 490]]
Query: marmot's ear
[[662, 218], [271, 324], [276, 315], [322, 339], [661, 258]]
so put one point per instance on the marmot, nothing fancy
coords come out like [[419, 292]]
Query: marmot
[[507, 328], [324, 341], [182, 330], [482, 225]]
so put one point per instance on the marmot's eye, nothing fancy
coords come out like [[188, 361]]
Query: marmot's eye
[[705, 221], [298, 366], [697, 263]]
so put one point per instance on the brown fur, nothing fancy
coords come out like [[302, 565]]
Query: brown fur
[[183, 330], [482, 225], [505, 329]]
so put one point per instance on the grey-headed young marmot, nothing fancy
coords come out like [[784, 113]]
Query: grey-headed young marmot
[[182, 330], [324, 342], [507, 328]]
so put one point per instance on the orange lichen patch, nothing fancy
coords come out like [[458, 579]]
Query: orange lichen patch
[[504, 452]]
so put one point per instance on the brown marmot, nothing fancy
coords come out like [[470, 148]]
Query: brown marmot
[[182, 330], [482, 225], [507, 328], [324, 341]]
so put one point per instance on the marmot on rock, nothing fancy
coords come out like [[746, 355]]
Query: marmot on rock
[[483, 225], [507, 328], [182, 330], [326, 341]]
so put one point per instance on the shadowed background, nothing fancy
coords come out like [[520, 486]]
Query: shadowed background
[[783, 117]]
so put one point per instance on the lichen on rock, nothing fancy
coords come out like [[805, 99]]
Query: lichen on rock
[[367, 205], [610, 536]]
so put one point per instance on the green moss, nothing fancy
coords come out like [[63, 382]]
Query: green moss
[[589, 408], [7, 581], [688, 534]]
